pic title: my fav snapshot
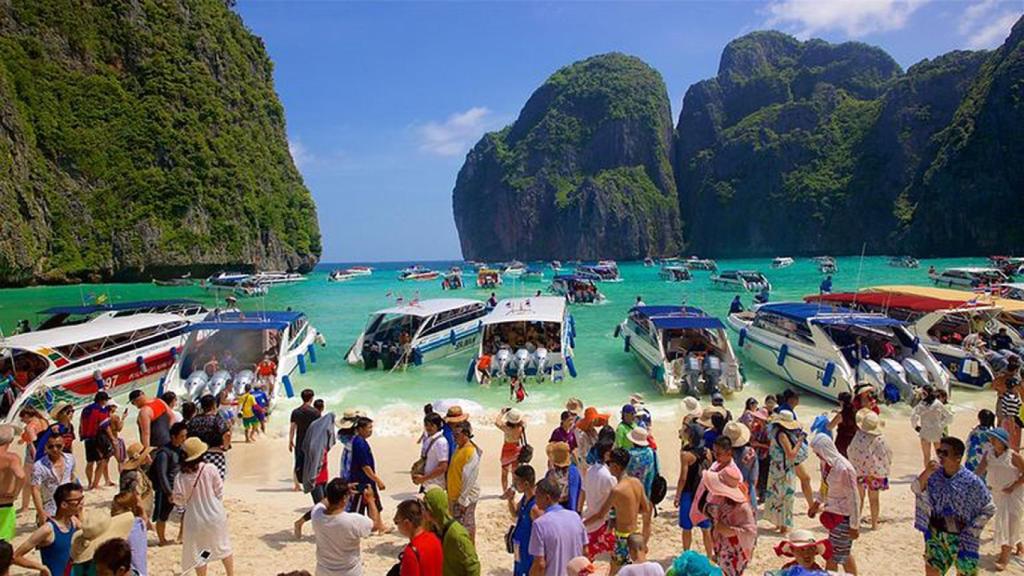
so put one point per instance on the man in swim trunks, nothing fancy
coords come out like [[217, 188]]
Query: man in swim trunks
[[12, 479], [628, 501]]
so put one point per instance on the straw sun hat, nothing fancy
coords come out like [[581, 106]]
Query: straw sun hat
[[455, 414], [559, 453], [738, 433], [97, 528], [134, 455], [786, 419], [59, 407], [869, 422], [639, 436], [513, 416], [194, 448], [690, 408]]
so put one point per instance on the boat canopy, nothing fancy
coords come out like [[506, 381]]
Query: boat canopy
[[535, 309], [961, 297], [678, 317], [425, 308], [925, 304], [247, 321], [827, 316], [571, 278], [112, 306]]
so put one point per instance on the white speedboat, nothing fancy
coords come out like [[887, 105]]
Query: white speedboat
[[417, 332], [675, 273], [514, 269], [695, 263], [904, 262], [782, 262], [576, 289], [682, 349], [968, 277], [81, 349], [225, 349], [452, 280], [342, 275], [275, 278], [747, 280], [827, 265], [556, 266], [417, 273], [488, 278], [599, 273], [527, 337], [940, 325], [360, 270], [648, 261], [822, 349]]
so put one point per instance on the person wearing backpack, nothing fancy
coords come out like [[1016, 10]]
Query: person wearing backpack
[[422, 556], [98, 448], [430, 469]]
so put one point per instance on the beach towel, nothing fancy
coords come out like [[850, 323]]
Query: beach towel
[[319, 438]]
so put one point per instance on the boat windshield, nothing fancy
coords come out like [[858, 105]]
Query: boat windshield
[[870, 342], [390, 328], [679, 343], [528, 335], [231, 350], [19, 369]]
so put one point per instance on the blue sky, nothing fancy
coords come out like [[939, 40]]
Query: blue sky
[[383, 99]]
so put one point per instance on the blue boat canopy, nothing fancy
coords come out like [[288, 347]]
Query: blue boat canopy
[[574, 277], [678, 317], [828, 315], [246, 321], [107, 307]]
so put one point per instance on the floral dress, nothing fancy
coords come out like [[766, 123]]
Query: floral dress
[[779, 493]]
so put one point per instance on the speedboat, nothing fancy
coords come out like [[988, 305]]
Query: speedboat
[[822, 349], [904, 262], [968, 277], [1010, 302], [695, 263], [79, 350], [782, 262], [748, 280], [360, 270], [342, 275], [236, 284], [452, 280], [527, 337], [1009, 265], [227, 279], [417, 273], [488, 278], [827, 265], [648, 261], [599, 273], [675, 273], [556, 266], [576, 289], [224, 350], [514, 269], [272, 278], [417, 332], [533, 275], [185, 280], [940, 325], [682, 349]]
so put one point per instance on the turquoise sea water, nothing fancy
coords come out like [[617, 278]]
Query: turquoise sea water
[[607, 375]]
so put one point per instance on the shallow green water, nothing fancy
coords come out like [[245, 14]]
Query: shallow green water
[[606, 374]]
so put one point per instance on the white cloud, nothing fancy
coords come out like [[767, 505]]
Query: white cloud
[[987, 23], [855, 18], [300, 154], [455, 135]]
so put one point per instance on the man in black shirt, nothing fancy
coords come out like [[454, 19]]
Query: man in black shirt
[[302, 417], [1002, 341]]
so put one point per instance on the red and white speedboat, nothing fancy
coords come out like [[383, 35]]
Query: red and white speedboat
[[77, 350]]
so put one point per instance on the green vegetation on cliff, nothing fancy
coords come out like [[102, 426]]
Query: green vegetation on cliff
[[140, 138]]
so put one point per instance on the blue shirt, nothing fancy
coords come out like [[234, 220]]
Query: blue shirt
[[362, 456]]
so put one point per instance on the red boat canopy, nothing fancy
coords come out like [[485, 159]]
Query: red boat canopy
[[889, 300]]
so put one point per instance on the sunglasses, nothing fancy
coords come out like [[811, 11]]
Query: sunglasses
[[55, 446]]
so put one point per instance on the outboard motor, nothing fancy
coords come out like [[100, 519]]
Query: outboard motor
[[196, 384], [712, 373], [522, 362], [389, 355], [219, 381], [896, 376], [371, 355], [502, 358], [540, 360], [241, 379], [693, 371], [870, 371], [917, 374]]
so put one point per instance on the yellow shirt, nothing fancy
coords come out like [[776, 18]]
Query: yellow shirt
[[459, 461], [245, 404]]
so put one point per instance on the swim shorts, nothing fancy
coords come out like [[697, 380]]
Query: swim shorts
[[942, 552], [620, 555], [685, 502], [251, 422], [8, 519], [600, 541], [839, 538]]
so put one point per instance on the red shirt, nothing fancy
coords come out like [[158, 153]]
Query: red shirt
[[426, 559]]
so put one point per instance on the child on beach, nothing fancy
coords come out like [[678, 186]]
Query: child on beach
[[516, 390], [978, 439]]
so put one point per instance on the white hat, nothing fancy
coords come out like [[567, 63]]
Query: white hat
[[513, 416], [738, 433], [690, 407], [638, 436]]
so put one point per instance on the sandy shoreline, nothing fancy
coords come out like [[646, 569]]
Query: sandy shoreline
[[262, 506]]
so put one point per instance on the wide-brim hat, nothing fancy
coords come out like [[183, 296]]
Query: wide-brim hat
[[999, 434], [869, 422], [738, 433], [59, 407], [707, 413], [455, 414], [559, 453], [690, 408], [194, 448], [725, 483], [636, 399], [803, 539], [580, 566], [513, 416], [639, 436], [134, 455], [786, 419], [862, 388], [591, 418], [574, 405], [346, 423], [98, 527]]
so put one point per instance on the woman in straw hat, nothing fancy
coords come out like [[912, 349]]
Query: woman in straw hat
[[724, 500], [840, 511], [1004, 470], [871, 455], [510, 422], [566, 475], [97, 527], [744, 456], [788, 450], [200, 491]]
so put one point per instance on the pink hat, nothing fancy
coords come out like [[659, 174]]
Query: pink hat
[[726, 483]]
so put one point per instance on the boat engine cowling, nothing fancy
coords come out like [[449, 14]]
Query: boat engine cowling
[[540, 360], [522, 362], [896, 376], [503, 358], [917, 374], [712, 372], [219, 381], [196, 384], [693, 372], [242, 378], [869, 371]]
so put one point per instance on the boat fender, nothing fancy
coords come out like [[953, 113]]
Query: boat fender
[[783, 352], [572, 340], [451, 337], [471, 370], [625, 344], [417, 356], [160, 387], [743, 336], [312, 353], [916, 344], [572, 325], [174, 352], [657, 372], [288, 390], [48, 399], [618, 331], [141, 363], [572, 367], [97, 377], [302, 363], [826, 378]]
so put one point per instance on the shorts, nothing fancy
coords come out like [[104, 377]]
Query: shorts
[[8, 520], [251, 422], [839, 538], [942, 552], [873, 482], [685, 502], [162, 506], [218, 459], [300, 460], [620, 555], [600, 541], [466, 515], [98, 449]]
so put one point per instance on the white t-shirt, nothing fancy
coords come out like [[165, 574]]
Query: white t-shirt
[[337, 541], [597, 486], [645, 569], [438, 454]]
